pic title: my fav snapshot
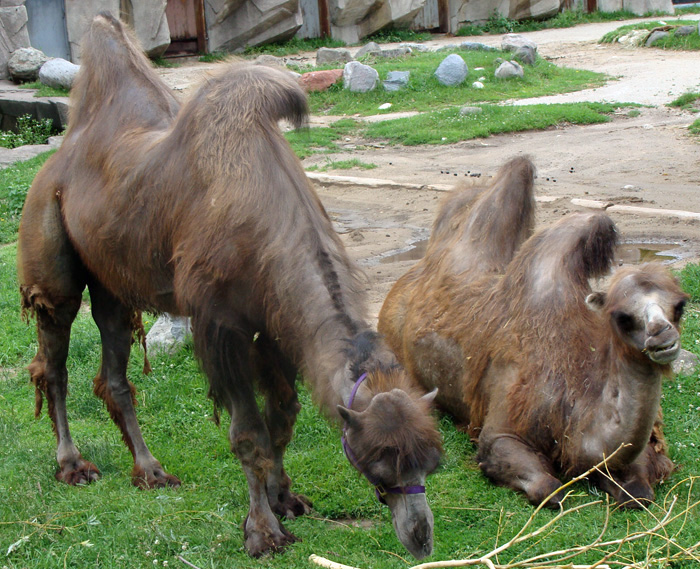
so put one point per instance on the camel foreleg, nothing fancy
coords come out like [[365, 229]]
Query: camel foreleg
[[508, 460], [282, 406], [225, 357]]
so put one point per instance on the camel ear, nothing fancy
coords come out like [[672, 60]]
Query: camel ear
[[429, 398], [351, 418], [596, 300]]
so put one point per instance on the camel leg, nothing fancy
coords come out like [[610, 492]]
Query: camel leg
[[52, 280], [50, 376], [225, 358], [633, 487], [115, 322], [278, 377], [509, 461]]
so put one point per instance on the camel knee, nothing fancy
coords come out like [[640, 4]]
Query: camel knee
[[253, 453]]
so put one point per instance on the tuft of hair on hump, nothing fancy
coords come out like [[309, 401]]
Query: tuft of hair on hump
[[595, 250], [245, 93]]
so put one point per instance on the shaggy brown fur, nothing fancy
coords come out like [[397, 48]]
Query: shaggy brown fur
[[204, 210], [501, 324]]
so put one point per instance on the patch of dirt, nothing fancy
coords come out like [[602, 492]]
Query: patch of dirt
[[643, 160]]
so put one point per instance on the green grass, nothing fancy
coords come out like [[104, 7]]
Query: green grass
[[308, 141], [341, 165], [449, 126], [688, 102], [672, 42], [14, 183], [397, 34], [44, 90], [214, 57], [111, 524], [293, 46], [498, 24], [424, 92]]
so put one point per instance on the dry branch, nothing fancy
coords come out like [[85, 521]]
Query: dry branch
[[669, 549]]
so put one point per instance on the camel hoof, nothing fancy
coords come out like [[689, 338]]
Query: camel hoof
[[154, 479], [80, 472], [269, 541], [635, 496]]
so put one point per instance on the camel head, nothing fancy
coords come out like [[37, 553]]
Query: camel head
[[644, 305], [395, 444]]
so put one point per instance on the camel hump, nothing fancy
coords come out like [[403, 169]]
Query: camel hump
[[559, 260], [117, 79], [243, 95], [484, 227]]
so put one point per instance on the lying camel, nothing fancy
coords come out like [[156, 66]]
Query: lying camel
[[547, 376], [203, 209]]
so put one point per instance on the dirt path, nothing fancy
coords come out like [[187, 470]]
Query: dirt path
[[638, 164]]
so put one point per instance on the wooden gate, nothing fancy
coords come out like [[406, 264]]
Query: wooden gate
[[187, 27]]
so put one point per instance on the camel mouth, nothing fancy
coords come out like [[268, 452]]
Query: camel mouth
[[666, 354]]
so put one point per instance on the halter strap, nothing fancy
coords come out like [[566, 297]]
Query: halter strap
[[379, 490]]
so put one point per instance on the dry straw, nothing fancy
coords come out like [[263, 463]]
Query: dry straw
[[663, 547]]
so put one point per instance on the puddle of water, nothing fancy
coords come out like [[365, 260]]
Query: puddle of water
[[627, 253]]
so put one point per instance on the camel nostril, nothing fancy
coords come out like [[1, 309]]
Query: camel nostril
[[656, 329]]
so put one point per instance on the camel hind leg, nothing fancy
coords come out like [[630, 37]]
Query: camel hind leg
[[52, 279], [116, 324]]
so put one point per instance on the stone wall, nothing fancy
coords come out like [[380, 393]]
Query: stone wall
[[147, 17], [13, 31], [233, 25], [351, 20]]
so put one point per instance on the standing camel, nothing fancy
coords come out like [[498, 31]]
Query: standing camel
[[547, 376], [204, 210]]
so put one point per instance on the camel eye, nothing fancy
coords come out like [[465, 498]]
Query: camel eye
[[624, 321], [678, 310]]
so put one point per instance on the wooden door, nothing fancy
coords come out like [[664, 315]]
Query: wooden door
[[187, 28]]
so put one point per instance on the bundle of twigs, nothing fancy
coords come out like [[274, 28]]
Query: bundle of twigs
[[662, 549]]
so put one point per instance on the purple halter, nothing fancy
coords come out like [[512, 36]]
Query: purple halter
[[379, 489]]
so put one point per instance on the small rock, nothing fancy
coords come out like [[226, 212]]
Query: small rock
[[395, 80], [526, 55], [270, 61], [654, 37], [395, 52], [58, 73], [684, 31], [471, 110], [419, 47], [359, 78], [476, 46], [448, 47], [478, 85], [634, 38], [452, 71], [326, 55], [511, 42], [371, 48], [509, 69], [320, 80], [384, 106], [686, 363], [24, 64], [168, 333]]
